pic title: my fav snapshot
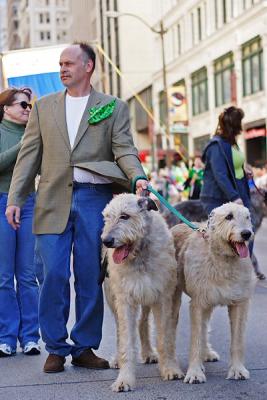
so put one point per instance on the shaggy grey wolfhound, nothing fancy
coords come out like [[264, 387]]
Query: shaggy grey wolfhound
[[216, 271], [142, 272]]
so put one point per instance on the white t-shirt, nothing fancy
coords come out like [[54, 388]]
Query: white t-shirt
[[75, 107]]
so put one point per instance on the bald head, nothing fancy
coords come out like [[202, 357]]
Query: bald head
[[77, 63]]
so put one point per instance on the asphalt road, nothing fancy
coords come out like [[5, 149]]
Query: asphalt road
[[21, 377]]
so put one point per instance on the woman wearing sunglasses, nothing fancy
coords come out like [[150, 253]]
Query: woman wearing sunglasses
[[18, 304]]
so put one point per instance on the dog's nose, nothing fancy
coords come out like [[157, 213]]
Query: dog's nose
[[108, 241], [246, 234]]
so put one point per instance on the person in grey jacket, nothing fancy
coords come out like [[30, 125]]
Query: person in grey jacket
[[18, 305], [81, 142]]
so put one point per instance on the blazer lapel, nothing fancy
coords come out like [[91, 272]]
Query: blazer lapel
[[93, 100], [60, 117]]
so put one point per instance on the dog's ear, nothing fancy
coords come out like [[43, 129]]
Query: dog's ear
[[145, 203]]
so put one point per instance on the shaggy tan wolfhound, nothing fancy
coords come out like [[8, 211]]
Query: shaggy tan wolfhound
[[216, 271], [142, 272]]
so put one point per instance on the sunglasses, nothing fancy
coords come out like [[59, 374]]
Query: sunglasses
[[24, 104]]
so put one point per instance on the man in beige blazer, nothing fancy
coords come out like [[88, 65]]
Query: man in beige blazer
[[80, 141]]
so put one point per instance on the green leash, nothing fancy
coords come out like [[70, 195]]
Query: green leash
[[174, 211]]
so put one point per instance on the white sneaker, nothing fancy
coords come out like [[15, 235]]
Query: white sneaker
[[5, 350], [32, 349]]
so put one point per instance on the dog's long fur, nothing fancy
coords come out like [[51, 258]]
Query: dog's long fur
[[147, 277], [213, 274]]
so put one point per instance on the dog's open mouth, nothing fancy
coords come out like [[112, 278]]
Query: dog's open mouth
[[240, 248], [121, 253]]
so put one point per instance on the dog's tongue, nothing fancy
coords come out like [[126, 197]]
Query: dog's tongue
[[242, 249], [120, 253]]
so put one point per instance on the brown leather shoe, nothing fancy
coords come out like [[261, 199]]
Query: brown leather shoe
[[87, 359], [54, 364]]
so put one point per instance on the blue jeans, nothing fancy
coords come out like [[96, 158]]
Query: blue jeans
[[18, 305], [82, 237], [39, 267]]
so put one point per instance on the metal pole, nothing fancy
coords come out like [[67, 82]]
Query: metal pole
[[165, 90]]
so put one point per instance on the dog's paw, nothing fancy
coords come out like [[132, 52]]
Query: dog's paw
[[150, 358], [120, 386], [171, 372], [123, 385], [114, 363], [195, 375], [211, 356], [238, 372]]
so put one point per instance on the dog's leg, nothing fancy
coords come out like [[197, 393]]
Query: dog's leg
[[208, 354], [111, 300], [176, 305], [114, 362], [169, 367], [238, 315], [127, 316], [148, 355], [195, 373]]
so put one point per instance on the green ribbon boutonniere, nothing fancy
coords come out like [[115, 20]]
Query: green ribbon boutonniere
[[97, 114]]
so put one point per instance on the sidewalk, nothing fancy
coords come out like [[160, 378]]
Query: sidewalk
[[21, 377]]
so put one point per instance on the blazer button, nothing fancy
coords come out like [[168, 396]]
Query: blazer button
[[70, 184]]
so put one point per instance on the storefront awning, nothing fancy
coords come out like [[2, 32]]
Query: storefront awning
[[254, 133]]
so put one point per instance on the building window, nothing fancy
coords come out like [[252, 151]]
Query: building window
[[47, 18], [205, 18], [199, 23], [232, 8], [223, 77], [141, 116], [200, 91], [200, 143], [216, 14], [162, 107], [41, 18], [192, 29], [42, 35], [179, 42], [252, 66], [48, 35], [224, 11]]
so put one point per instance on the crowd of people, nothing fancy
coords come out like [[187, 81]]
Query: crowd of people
[[72, 140]]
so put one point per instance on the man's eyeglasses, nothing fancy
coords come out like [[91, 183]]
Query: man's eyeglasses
[[24, 104]]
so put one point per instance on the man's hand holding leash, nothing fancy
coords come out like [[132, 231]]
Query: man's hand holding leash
[[141, 185]]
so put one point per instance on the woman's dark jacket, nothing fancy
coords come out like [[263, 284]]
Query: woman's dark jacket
[[219, 176]]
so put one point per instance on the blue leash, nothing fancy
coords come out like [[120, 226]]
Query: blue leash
[[173, 210]]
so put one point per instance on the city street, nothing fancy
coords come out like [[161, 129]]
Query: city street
[[21, 377]]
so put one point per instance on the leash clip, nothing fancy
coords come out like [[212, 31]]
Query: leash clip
[[203, 232]]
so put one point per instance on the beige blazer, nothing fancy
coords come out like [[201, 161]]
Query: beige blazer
[[105, 148]]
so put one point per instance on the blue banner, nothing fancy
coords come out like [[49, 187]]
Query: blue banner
[[41, 84]]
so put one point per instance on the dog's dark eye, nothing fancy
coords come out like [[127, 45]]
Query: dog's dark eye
[[124, 216], [229, 217]]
